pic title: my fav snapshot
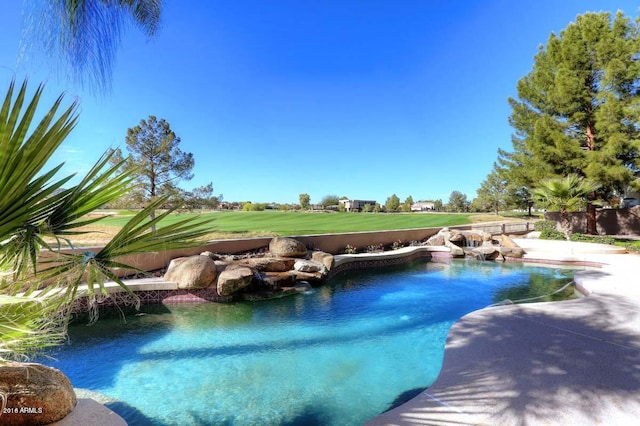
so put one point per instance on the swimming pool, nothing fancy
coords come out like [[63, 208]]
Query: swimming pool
[[337, 355]]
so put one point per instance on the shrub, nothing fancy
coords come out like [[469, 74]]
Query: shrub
[[349, 249], [600, 239], [551, 234], [543, 225], [375, 248]]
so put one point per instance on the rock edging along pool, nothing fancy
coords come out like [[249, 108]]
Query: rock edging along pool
[[156, 290]]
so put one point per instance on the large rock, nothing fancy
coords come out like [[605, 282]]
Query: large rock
[[35, 394], [516, 252], [192, 272], [315, 278], [507, 241], [455, 236], [303, 265], [456, 251], [277, 279], [268, 264], [325, 258], [287, 247], [487, 239], [231, 280], [435, 240], [485, 253]]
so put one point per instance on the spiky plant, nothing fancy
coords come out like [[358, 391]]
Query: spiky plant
[[564, 195], [35, 304]]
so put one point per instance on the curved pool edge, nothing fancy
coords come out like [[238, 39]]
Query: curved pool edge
[[423, 403], [543, 363]]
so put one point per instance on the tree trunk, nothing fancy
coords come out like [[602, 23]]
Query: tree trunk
[[565, 226], [591, 219]]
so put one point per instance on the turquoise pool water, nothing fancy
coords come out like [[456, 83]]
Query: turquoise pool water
[[337, 355]]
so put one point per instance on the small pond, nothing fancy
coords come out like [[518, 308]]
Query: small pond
[[337, 355]]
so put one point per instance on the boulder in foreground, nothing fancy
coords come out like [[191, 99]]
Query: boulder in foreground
[[35, 394]]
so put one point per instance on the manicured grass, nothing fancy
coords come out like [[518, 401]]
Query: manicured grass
[[633, 246], [305, 223]]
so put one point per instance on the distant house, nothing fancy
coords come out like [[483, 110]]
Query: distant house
[[422, 206], [356, 205]]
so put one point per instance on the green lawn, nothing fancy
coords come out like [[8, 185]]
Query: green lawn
[[304, 223]]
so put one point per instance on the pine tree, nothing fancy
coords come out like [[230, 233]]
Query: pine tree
[[156, 160], [576, 111], [493, 193]]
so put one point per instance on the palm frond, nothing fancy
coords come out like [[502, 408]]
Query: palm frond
[[134, 237], [30, 324], [82, 36], [95, 190], [27, 195], [564, 194]]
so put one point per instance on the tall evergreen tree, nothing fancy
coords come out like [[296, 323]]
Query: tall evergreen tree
[[577, 111], [155, 159], [392, 204], [408, 202], [493, 193], [458, 202]]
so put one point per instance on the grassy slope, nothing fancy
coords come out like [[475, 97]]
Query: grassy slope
[[301, 223]]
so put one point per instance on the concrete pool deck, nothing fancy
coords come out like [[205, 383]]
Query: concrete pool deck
[[561, 363]]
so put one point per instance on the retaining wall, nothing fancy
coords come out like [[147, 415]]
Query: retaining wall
[[608, 221], [330, 243]]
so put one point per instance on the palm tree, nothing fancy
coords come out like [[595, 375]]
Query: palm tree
[[85, 34], [35, 205], [564, 195]]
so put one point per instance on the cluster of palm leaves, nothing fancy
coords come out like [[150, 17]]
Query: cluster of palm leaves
[[564, 194], [39, 282]]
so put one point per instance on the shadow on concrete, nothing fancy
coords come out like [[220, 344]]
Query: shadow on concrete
[[132, 415], [575, 362], [404, 397]]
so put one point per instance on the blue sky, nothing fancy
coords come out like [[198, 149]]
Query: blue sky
[[345, 97]]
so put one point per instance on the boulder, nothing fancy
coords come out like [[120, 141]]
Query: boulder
[[516, 252], [221, 265], [211, 254], [456, 236], [268, 264], [316, 278], [287, 247], [436, 240], [487, 239], [192, 272], [472, 239], [231, 280], [277, 279], [35, 394], [455, 250], [506, 241], [325, 258], [303, 265], [485, 253]]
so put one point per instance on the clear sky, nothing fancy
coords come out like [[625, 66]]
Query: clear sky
[[357, 98]]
